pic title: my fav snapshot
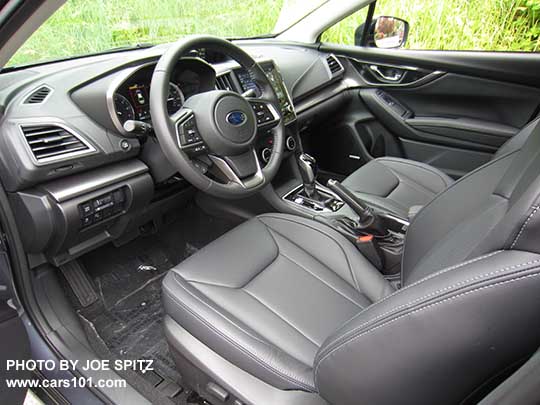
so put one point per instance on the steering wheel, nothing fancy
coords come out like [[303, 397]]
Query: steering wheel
[[211, 139]]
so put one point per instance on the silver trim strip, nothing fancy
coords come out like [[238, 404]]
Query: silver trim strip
[[252, 181], [318, 187], [393, 217], [181, 116], [73, 186], [63, 157]]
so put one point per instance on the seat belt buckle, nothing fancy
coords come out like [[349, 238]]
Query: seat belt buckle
[[367, 245]]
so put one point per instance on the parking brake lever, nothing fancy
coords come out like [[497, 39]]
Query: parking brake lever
[[367, 219]]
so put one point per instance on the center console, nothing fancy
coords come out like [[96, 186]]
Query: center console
[[379, 236]]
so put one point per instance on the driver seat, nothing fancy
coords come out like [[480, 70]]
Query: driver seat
[[284, 309]]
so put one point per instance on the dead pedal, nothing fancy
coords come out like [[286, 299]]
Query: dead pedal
[[80, 283]]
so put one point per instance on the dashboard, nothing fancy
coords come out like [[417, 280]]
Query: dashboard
[[129, 96], [76, 178]]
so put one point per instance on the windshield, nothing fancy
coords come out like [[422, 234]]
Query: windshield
[[82, 27]]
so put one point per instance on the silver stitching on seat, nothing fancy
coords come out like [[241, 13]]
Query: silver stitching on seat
[[278, 372], [325, 234], [524, 226], [457, 266], [419, 310], [431, 294]]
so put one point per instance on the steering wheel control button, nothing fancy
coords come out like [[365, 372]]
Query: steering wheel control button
[[189, 137], [262, 113]]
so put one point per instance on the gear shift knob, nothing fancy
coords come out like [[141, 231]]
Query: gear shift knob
[[308, 170]]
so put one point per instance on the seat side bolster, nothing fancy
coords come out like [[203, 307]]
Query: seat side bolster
[[232, 270], [240, 345], [479, 316]]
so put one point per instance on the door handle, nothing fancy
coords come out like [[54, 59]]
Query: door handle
[[396, 77]]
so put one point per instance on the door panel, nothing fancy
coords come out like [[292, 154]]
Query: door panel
[[445, 108], [510, 67], [453, 161]]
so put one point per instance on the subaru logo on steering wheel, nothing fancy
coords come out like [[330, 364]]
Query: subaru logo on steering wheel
[[236, 118]]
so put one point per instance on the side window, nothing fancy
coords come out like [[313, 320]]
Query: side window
[[344, 31], [487, 25]]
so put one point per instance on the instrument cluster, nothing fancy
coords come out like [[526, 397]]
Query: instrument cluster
[[135, 105], [131, 98]]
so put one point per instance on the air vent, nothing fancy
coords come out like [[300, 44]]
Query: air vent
[[52, 142], [224, 82], [38, 96], [334, 65]]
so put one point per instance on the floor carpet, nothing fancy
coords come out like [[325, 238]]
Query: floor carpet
[[127, 318]]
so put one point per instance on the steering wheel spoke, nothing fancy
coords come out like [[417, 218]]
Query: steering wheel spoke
[[244, 170], [187, 134], [265, 112]]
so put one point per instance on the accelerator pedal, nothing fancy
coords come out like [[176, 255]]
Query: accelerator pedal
[[80, 283]]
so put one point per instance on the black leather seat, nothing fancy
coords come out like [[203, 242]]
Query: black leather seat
[[261, 265], [396, 185], [285, 310]]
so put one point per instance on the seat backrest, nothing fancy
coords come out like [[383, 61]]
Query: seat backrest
[[468, 309], [514, 143], [479, 213]]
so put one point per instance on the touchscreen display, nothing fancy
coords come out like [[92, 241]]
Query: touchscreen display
[[276, 81]]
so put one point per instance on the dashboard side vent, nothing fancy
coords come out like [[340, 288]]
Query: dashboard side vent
[[38, 96], [53, 142], [334, 65], [223, 82]]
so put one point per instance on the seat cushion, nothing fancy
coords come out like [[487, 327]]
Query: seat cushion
[[395, 185], [266, 295]]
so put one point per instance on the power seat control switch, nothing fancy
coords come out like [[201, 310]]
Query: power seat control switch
[[101, 208]]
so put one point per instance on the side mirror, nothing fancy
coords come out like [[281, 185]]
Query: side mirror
[[384, 32]]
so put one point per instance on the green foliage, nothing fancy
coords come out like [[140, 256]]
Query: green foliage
[[86, 26], [498, 25]]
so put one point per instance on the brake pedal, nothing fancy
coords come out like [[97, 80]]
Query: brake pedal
[[80, 283]]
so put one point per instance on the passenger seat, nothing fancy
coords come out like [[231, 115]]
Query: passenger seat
[[400, 186]]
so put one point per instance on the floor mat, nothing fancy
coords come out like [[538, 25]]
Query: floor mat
[[128, 316]]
